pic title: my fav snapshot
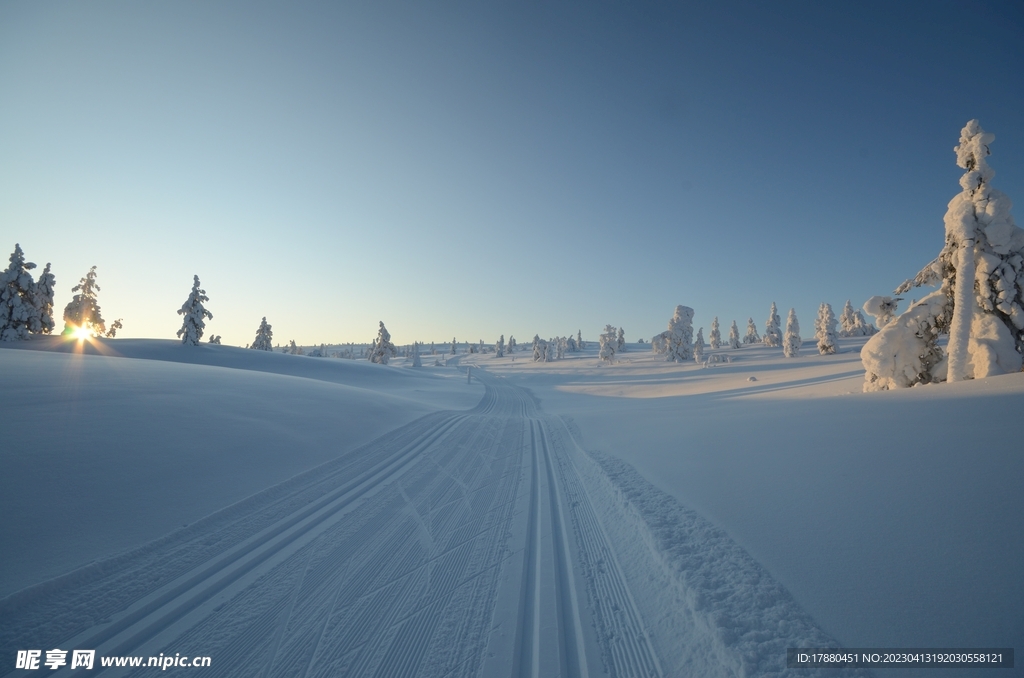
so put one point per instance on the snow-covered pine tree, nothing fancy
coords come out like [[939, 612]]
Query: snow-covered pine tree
[[18, 312], [471, 348], [791, 341], [620, 341], [609, 342], [984, 316], [264, 337], [540, 349], [716, 334], [195, 315], [452, 352], [117, 325], [698, 347], [825, 329], [734, 336], [579, 340], [499, 347], [752, 336], [511, 344], [416, 361], [42, 301], [382, 349], [772, 335], [214, 338], [676, 343], [570, 343], [83, 311]]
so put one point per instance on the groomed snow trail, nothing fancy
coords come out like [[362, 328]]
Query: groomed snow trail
[[461, 544]]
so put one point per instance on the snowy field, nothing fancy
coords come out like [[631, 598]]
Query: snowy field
[[288, 515]]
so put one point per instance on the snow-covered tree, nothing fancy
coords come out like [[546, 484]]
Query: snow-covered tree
[[676, 343], [791, 341], [716, 334], [214, 338], [471, 348], [540, 349], [511, 344], [83, 311], [772, 335], [416, 361], [825, 329], [698, 347], [195, 315], [452, 351], [382, 349], [117, 325], [620, 341], [18, 312], [883, 309], [609, 343], [571, 344], [264, 337], [579, 340], [980, 303], [297, 350], [42, 321], [852, 323], [752, 337], [499, 347], [734, 336]]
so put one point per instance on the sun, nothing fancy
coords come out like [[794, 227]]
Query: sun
[[82, 333]]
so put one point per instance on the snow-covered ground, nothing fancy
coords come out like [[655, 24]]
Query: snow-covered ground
[[288, 515]]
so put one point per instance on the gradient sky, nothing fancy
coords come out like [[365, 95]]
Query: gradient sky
[[476, 169]]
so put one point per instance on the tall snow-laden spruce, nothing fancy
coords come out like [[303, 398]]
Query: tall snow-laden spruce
[[980, 300], [540, 349], [715, 340], [83, 311], [734, 336], [511, 347], [264, 337], [416, 361], [825, 329], [17, 310], [676, 343], [608, 344], [620, 341], [752, 337], [579, 340], [453, 346], [772, 335], [42, 301], [499, 347], [195, 315], [698, 346], [382, 349], [791, 341]]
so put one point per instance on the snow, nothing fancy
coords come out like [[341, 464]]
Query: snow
[[641, 517]]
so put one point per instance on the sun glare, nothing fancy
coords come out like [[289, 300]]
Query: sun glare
[[82, 333]]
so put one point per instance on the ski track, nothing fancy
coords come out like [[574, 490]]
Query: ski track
[[461, 544]]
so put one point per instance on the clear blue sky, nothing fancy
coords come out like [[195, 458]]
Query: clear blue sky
[[475, 169]]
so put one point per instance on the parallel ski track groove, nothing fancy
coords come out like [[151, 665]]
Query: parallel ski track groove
[[215, 576]]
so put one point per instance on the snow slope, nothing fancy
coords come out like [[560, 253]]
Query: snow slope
[[565, 518], [105, 452]]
